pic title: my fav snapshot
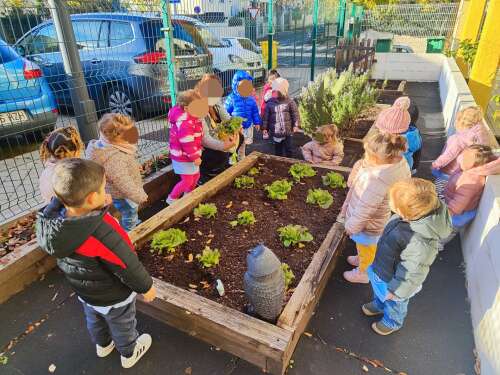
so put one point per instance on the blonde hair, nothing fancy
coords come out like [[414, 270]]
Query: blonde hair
[[112, 125], [326, 133], [385, 147], [468, 117], [187, 97], [482, 154], [413, 198], [61, 144]]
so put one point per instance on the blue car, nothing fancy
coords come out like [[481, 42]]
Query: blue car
[[123, 60], [26, 100]]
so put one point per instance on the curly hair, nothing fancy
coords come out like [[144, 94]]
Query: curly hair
[[386, 147], [61, 144], [468, 117], [327, 133], [112, 125]]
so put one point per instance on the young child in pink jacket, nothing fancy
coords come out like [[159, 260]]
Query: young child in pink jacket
[[326, 148], [366, 208], [186, 134]]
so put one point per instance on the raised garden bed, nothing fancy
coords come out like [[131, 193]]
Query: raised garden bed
[[389, 90], [363, 123], [194, 308]]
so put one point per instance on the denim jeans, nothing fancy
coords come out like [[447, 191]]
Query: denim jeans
[[119, 325], [284, 148], [128, 211]]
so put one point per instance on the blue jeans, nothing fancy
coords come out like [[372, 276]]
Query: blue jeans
[[394, 310], [129, 213]]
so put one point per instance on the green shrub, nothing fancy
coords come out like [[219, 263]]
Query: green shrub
[[301, 170], [254, 171], [279, 189], [206, 210], [320, 197], [168, 240], [292, 235], [244, 218], [244, 182], [334, 180], [288, 273], [209, 258]]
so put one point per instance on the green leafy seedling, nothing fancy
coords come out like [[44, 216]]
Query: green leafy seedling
[[244, 218], [229, 127], [288, 273], [206, 210], [168, 240], [301, 170], [244, 182], [209, 258], [320, 197], [292, 235], [254, 171], [334, 180], [279, 189]]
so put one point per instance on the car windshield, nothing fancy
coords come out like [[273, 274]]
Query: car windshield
[[248, 45], [210, 39], [7, 54]]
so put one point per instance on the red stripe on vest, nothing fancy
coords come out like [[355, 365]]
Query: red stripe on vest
[[110, 220], [93, 248]]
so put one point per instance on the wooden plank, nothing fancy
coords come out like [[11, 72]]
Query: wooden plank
[[183, 206], [19, 259], [256, 341], [337, 168]]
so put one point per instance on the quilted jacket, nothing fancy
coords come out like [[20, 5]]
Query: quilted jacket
[[246, 107]]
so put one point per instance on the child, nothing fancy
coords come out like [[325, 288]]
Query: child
[[406, 250], [281, 118], [241, 103], [97, 257], [62, 143], [186, 134], [326, 148], [396, 120], [366, 208], [414, 114], [267, 91], [116, 151]]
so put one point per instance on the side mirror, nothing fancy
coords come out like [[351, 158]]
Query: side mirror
[[21, 50]]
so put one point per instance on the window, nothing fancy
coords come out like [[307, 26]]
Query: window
[[87, 34], [7, 54], [43, 40], [121, 33], [247, 44]]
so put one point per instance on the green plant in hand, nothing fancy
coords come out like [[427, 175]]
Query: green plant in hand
[[288, 273], [254, 171], [244, 218], [334, 180], [279, 189], [168, 240], [206, 210], [292, 235], [320, 197], [244, 182], [209, 258], [229, 127], [301, 170]]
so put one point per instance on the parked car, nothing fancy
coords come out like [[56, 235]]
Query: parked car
[[227, 59], [400, 48], [123, 60], [244, 43], [26, 100]]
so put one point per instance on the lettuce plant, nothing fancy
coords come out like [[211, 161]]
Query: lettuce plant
[[254, 171], [320, 197], [244, 218], [334, 180], [288, 273], [279, 189], [301, 170], [229, 127], [209, 258], [244, 182], [292, 235], [206, 210], [168, 240]]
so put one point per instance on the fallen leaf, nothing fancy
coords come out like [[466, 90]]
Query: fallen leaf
[[169, 257], [190, 258], [186, 219], [209, 241], [199, 233], [217, 349], [301, 245], [193, 286], [52, 368], [196, 219], [188, 371], [245, 203], [365, 369], [30, 328], [205, 284], [229, 205], [307, 334], [55, 296], [211, 235]]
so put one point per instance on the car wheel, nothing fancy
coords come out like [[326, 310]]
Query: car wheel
[[119, 100]]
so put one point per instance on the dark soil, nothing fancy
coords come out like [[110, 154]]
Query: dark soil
[[353, 151], [17, 234], [154, 165], [235, 243], [390, 84], [359, 130]]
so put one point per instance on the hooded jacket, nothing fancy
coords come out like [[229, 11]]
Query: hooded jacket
[[326, 154], [414, 141], [123, 172], [366, 207], [406, 250], [447, 161], [280, 117], [95, 254], [245, 107], [186, 134]]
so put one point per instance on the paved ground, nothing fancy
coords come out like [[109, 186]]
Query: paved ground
[[437, 338]]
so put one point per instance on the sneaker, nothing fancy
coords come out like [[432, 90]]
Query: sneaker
[[169, 200], [355, 276], [369, 309], [382, 329], [353, 260], [142, 344], [104, 351], [413, 172]]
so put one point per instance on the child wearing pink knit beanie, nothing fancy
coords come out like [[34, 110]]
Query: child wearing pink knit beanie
[[397, 120]]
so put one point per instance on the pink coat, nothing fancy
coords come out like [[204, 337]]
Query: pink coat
[[327, 154], [186, 134], [366, 208], [447, 161]]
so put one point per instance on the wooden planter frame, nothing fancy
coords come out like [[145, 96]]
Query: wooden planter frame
[[268, 346]]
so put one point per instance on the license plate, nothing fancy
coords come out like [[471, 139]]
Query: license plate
[[194, 73], [11, 118], [258, 74]]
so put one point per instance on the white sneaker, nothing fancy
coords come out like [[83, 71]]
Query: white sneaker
[[104, 351], [169, 200], [142, 344]]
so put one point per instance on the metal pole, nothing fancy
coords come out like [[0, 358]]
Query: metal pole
[[314, 36], [270, 33], [167, 30], [83, 106]]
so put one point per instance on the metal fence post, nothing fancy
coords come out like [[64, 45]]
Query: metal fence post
[[270, 33], [314, 36], [167, 30], [84, 107]]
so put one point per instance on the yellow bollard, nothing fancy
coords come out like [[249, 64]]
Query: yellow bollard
[[263, 45]]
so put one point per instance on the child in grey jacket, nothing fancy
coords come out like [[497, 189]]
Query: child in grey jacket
[[406, 250]]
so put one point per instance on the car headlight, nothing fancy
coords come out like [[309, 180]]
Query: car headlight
[[235, 59]]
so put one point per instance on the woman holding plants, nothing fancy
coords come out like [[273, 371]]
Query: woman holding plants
[[216, 151]]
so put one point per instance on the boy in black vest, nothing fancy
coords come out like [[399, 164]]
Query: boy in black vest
[[97, 258]]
